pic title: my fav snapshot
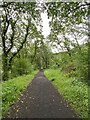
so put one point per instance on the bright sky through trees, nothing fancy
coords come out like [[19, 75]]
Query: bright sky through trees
[[46, 28], [45, 24], [46, 32]]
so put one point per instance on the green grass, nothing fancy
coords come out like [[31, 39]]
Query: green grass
[[12, 89], [75, 92], [0, 101]]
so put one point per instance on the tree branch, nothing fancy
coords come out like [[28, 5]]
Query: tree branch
[[12, 36], [27, 30]]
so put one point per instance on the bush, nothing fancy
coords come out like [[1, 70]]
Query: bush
[[21, 66]]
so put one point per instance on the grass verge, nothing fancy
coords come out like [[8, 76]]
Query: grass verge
[[12, 89], [75, 92]]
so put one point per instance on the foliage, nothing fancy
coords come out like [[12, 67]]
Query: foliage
[[24, 48], [21, 66], [74, 91], [12, 89], [76, 65], [41, 54], [80, 59], [18, 22]]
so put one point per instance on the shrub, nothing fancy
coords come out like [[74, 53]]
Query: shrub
[[21, 66]]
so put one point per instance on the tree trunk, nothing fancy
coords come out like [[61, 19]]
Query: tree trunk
[[5, 67]]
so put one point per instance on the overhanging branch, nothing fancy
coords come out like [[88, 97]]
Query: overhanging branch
[[27, 30]]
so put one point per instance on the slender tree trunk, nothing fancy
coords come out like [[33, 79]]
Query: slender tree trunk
[[35, 52], [4, 59], [5, 67]]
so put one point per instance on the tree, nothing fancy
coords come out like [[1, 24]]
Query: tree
[[67, 16], [15, 30]]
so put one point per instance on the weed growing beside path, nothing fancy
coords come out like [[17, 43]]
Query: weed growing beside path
[[12, 89], [75, 92]]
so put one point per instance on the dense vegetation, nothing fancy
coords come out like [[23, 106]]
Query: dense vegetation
[[74, 66], [74, 91], [12, 90], [24, 48], [21, 33], [71, 78]]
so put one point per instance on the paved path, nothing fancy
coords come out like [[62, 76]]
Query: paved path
[[41, 100]]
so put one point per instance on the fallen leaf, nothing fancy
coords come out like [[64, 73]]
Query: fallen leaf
[[17, 110]]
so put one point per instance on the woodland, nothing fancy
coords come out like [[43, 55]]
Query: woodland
[[24, 50]]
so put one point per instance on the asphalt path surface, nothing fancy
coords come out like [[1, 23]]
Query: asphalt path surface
[[41, 100]]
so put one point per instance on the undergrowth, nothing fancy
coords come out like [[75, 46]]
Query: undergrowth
[[73, 90], [12, 89]]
